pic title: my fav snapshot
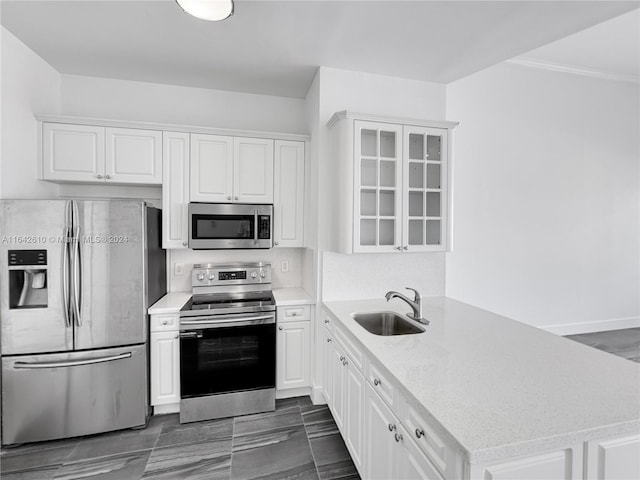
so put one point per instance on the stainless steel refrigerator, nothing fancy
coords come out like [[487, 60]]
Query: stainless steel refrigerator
[[76, 279]]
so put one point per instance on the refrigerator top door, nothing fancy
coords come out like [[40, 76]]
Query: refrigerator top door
[[111, 283], [32, 307]]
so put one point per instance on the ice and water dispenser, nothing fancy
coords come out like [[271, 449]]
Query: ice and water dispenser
[[28, 279]]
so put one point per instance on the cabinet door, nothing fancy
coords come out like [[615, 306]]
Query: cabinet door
[[414, 464], [253, 170], [133, 156], [377, 187], [211, 168], [338, 386], [354, 416], [288, 201], [72, 153], [616, 458], [165, 367], [425, 202], [175, 189], [292, 346], [381, 449], [327, 367]]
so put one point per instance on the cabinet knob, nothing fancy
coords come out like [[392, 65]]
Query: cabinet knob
[[398, 437], [345, 363], [419, 432], [280, 327], [164, 322], [276, 243], [328, 340], [229, 197], [342, 358], [177, 335], [107, 177], [184, 244], [376, 381], [326, 320], [236, 197], [99, 177], [392, 427], [293, 314]]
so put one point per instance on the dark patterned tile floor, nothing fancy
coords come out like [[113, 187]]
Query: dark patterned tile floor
[[623, 343], [298, 440]]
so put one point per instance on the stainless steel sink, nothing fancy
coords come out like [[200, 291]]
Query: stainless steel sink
[[386, 323]]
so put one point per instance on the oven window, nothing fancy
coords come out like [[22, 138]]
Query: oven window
[[228, 360], [223, 227]]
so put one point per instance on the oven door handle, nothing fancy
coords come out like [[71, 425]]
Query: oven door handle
[[214, 322]]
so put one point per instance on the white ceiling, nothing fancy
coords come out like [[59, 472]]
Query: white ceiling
[[275, 47]]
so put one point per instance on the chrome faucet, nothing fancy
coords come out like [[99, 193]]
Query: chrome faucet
[[415, 304]]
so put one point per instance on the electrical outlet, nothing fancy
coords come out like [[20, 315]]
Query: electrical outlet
[[178, 269], [284, 266]]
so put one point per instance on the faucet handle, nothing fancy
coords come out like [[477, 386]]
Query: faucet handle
[[417, 296]]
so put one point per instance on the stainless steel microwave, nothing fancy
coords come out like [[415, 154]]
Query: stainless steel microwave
[[214, 226]]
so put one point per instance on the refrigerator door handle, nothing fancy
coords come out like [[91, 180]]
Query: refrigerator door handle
[[71, 363], [77, 277], [66, 290]]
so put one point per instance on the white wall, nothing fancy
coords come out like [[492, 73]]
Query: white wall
[[28, 85], [370, 276], [546, 198]]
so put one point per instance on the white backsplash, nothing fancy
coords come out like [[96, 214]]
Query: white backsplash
[[274, 256], [364, 276]]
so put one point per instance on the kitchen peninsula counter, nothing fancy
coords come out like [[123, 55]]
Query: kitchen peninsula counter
[[498, 388]]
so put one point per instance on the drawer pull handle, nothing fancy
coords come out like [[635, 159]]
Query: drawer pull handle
[[419, 432], [328, 340], [398, 437], [376, 381], [326, 320], [392, 427]]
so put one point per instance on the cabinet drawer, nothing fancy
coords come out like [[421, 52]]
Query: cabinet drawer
[[432, 444], [294, 313], [351, 349], [382, 385], [163, 323]]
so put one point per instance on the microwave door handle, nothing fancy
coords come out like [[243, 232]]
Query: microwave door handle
[[255, 227]]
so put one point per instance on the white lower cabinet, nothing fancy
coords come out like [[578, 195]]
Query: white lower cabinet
[[616, 458], [165, 362], [293, 346], [565, 464]]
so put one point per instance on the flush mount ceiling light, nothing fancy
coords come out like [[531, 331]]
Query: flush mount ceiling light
[[212, 10]]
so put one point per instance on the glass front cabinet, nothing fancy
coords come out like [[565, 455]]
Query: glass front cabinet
[[394, 174]]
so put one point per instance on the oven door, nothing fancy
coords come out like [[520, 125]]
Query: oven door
[[224, 226], [227, 353]]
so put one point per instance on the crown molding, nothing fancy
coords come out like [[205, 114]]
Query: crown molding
[[574, 70]]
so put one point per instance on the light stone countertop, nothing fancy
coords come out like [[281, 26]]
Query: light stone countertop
[[292, 296], [172, 302], [499, 388]]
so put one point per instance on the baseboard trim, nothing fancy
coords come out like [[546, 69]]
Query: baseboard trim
[[597, 326], [165, 409], [293, 392], [317, 397]]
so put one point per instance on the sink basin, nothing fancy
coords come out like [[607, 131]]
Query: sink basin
[[386, 323]]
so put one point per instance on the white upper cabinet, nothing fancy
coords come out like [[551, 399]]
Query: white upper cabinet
[[288, 201], [133, 156], [95, 154], [390, 185], [175, 189], [227, 169]]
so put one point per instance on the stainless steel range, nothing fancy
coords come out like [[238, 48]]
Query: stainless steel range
[[227, 342]]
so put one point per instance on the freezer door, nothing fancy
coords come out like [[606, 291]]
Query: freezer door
[[31, 297], [46, 397], [109, 283]]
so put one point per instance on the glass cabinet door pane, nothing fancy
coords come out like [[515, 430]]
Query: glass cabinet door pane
[[433, 175], [433, 147], [416, 174], [367, 232], [433, 204], [369, 143], [387, 144], [415, 232], [387, 173], [416, 204], [416, 146], [387, 203], [368, 173], [433, 232], [387, 235], [367, 202]]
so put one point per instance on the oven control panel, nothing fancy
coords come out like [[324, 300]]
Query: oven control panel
[[230, 274]]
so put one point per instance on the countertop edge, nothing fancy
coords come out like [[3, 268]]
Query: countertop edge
[[172, 302]]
